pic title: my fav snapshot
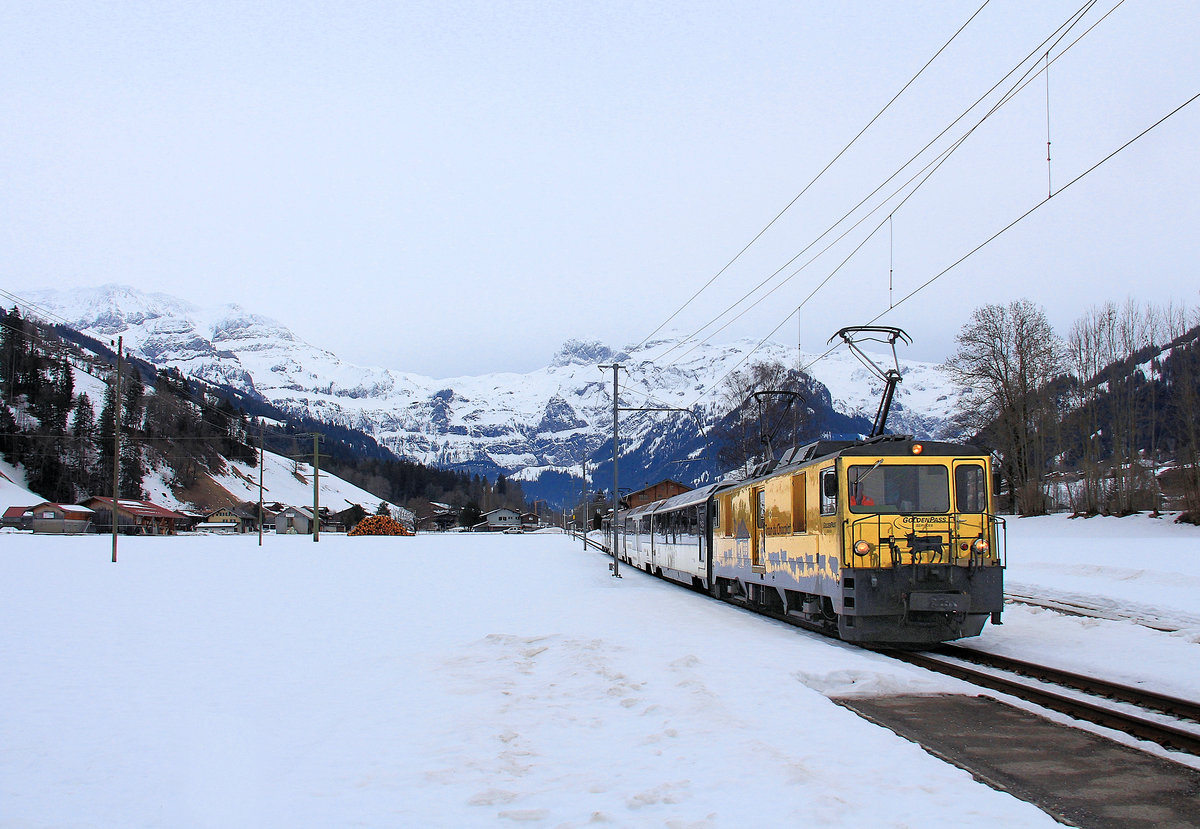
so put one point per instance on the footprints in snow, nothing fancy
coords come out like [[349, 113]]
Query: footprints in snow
[[552, 707]]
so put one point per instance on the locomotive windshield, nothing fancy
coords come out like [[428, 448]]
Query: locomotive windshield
[[899, 488]]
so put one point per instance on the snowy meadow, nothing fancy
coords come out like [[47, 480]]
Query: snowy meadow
[[460, 680]]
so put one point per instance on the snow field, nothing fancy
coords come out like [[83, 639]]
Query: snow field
[[451, 680]]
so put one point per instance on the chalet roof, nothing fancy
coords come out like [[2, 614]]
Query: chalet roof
[[501, 509], [682, 486], [17, 512], [142, 509], [63, 507], [238, 510]]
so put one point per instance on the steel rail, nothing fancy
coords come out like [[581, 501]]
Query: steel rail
[[1165, 735], [1078, 609], [1176, 707]]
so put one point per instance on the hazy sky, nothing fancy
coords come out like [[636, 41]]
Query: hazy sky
[[457, 187]]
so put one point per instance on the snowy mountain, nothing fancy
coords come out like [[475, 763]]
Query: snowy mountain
[[538, 427]]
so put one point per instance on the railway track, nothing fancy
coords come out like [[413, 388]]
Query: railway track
[[1086, 698], [1077, 607]]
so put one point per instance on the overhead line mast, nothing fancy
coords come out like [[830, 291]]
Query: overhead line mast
[[615, 566]]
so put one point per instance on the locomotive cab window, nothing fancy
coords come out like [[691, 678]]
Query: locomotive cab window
[[828, 491], [899, 488], [970, 494]]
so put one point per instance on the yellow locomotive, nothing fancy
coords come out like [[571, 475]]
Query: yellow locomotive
[[884, 541]]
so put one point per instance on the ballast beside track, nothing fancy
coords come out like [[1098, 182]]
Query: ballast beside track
[[1093, 710]]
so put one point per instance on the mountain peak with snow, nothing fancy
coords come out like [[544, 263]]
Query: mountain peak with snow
[[581, 353], [522, 425]]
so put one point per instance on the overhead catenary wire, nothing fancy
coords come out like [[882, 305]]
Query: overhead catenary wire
[[1047, 43], [968, 254], [815, 178]]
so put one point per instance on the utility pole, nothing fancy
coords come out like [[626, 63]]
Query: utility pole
[[616, 369], [583, 525], [316, 486], [116, 446], [260, 483]]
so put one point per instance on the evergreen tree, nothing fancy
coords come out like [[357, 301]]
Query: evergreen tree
[[9, 437], [82, 458]]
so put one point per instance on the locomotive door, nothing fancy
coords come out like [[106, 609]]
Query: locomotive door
[[970, 500], [758, 534]]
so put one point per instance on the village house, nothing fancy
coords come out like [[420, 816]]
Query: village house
[[231, 519], [294, 521], [54, 518], [498, 520], [18, 518], [444, 517]]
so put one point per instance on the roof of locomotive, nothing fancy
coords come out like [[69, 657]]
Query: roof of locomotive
[[881, 446], [820, 450]]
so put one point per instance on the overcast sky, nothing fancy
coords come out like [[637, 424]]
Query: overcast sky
[[458, 187]]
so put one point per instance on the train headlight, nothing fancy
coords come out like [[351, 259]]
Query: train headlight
[[981, 546], [917, 448], [863, 547]]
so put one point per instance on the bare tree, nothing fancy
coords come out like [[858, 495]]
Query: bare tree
[[1006, 359], [1109, 354], [1181, 370], [765, 409]]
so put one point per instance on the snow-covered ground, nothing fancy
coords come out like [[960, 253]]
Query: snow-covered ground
[[460, 680], [283, 480], [1139, 565]]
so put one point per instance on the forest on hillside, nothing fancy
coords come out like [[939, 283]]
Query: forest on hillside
[[66, 446], [1103, 420]]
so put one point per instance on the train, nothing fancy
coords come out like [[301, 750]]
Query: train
[[884, 541]]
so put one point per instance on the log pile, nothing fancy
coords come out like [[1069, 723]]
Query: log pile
[[380, 525]]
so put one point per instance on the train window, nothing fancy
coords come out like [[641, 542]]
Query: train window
[[727, 513], [899, 488], [828, 491], [970, 494], [798, 503]]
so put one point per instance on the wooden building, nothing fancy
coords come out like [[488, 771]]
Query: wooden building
[[51, 518], [656, 492], [134, 517], [19, 518], [230, 519]]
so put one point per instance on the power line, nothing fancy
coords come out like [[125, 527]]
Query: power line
[[815, 178], [965, 256], [1050, 41]]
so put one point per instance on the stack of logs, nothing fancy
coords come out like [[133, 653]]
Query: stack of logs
[[380, 525]]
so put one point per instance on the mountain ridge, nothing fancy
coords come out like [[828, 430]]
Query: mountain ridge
[[522, 425]]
